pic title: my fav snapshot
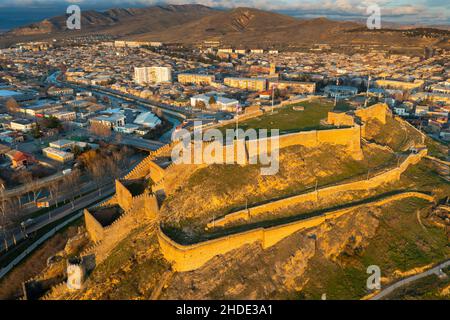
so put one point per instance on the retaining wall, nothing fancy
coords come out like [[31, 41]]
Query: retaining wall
[[191, 257], [327, 192]]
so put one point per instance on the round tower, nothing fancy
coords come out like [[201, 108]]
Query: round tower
[[75, 274]]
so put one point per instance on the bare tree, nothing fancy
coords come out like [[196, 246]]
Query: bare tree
[[12, 106], [54, 188], [100, 130], [71, 185], [26, 178]]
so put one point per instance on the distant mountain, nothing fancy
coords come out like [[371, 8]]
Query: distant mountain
[[118, 22], [248, 26], [236, 27], [252, 27]]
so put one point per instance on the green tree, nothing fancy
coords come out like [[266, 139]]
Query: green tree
[[36, 130]]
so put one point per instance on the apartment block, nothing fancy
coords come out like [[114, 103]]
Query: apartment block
[[196, 78], [250, 84], [152, 75], [294, 86]]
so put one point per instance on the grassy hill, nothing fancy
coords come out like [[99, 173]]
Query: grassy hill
[[330, 259], [287, 119]]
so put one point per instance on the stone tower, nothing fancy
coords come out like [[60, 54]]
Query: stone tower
[[76, 274]]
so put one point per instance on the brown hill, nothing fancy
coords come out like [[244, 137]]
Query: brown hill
[[250, 26], [246, 27], [117, 22]]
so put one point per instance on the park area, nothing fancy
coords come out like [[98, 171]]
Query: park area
[[303, 116]]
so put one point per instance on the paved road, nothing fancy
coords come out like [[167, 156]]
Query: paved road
[[387, 291], [43, 220], [16, 234]]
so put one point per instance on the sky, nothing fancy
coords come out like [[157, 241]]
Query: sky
[[435, 12]]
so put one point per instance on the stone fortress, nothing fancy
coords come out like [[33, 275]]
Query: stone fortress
[[134, 203]]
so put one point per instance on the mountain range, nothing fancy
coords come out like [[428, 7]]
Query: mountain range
[[192, 23]]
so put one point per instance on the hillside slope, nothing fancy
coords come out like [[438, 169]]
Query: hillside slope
[[246, 27]]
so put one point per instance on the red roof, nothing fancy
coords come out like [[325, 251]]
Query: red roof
[[20, 156]]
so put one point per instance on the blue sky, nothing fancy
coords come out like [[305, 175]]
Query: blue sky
[[401, 11]]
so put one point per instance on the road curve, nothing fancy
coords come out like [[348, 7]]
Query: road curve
[[388, 290]]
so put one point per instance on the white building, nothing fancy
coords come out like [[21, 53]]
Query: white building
[[152, 75], [221, 102], [147, 119], [112, 121], [22, 125], [401, 111]]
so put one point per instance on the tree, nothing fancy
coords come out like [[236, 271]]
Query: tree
[[71, 185], [26, 178], [54, 189], [52, 123], [200, 105], [100, 130], [36, 130], [212, 101], [12, 106]]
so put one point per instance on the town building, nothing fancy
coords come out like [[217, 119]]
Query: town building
[[62, 144], [145, 75], [400, 85], [201, 79], [58, 155], [113, 120], [294, 86], [250, 84], [20, 159], [220, 102], [57, 92], [147, 119], [21, 125], [334, 91]]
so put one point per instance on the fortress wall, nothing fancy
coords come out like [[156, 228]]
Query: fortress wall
[[346, 136], [124, 196], [378, 111], [94, 228], [191, 257], [340, 119], [350, 137], [275, 234], [156, 172], [303, 138], [327, 192], [246, 214], [141, 170], [151, 206]]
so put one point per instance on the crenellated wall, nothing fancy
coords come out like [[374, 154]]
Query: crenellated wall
[[156, 172], [378, 111], [124, 196], [191, 257], [327, 192], [340, 119], [93, 227]]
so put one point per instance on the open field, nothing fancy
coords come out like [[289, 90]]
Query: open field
[[286, 119]]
